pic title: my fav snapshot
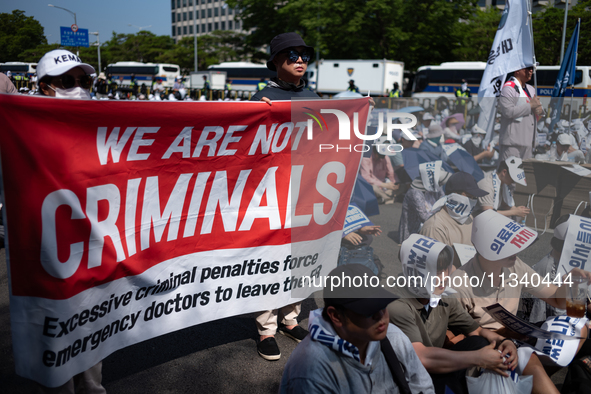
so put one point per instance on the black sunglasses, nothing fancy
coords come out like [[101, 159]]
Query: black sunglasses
[[294, 55], [68, 81]]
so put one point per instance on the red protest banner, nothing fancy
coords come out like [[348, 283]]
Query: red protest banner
[[128, 220]]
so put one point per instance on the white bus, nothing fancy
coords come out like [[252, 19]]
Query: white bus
[[144, 73], [443, 80], [19, 68], [245, 76]]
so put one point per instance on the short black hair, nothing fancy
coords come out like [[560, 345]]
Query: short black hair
[[444, 260], [341, 309], [556, 243], [502, 166], [46, 80]]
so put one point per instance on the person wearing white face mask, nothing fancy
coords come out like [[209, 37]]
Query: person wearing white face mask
[[473, 145], [497, 240], [424, 191], [452, 221], [62, 74], [433, 142], [566, 151]]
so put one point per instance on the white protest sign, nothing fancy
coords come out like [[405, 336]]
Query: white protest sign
[[576, 252], [464, 252]]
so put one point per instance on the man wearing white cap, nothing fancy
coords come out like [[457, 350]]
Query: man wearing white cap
[[548, 265], [566, 151], [63, 75], [498, 240], [425, 123], [424, 191], [451, 222], [425, 310], [102, 87], [519, 107], [498, 185], [473, 145]]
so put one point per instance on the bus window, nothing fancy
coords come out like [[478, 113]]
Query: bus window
[[471, 76], [421, 81], [443, 76], [578, 76], [170, 69]]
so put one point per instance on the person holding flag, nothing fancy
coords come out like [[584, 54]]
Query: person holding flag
[[518, 106], [512, 51]]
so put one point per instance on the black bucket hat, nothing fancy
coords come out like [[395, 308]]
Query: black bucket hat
[[282, 42], [361, 298]]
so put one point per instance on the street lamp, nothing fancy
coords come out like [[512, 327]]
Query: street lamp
[[65, 9], [98, 45], [72, 13], [139, 27]]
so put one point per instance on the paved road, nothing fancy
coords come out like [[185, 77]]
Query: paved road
[[216, 357]]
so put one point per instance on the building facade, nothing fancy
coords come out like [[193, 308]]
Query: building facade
[[190, 17]]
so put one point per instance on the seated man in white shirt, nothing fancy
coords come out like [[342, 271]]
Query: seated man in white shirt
[[566, 150], [499, 185]]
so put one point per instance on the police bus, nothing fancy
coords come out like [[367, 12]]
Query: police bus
[[443, 80], [16, 68], [244, 75], [144, 73]]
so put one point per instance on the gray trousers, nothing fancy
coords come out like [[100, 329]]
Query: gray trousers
[[87, 382], [267, 320], [523, 152]]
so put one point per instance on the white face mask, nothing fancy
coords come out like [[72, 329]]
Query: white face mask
[[74, 93], [460, 207], [476, 139]]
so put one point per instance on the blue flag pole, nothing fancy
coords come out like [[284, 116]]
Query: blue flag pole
[[572, 86], [566, 77]]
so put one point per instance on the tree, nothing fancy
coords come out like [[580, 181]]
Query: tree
[[216, 47], [478, 34], [19, 33], [417, 32], [143, 46], [548, 26]]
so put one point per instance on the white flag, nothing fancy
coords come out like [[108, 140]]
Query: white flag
[[512, 50]]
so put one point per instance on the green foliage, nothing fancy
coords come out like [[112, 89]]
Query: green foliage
[[416, 32], [143, 46], [478, 34], [219, 46], [548, 26], [18, 33]]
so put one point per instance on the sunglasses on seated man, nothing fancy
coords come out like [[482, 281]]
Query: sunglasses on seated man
[[68, 81], [294, 55]]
